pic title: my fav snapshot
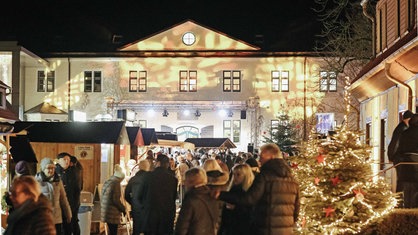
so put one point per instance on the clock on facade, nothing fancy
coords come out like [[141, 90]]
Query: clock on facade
[[188, 38]]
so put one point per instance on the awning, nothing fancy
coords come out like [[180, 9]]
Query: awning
[[75, 132], [211, 142]]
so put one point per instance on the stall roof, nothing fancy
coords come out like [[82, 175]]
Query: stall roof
[[74, 132], [211, 142], [141, 136], [166, 136], [20, 149], [174, 143]]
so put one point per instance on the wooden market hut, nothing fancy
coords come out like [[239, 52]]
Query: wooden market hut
[[95, 144]]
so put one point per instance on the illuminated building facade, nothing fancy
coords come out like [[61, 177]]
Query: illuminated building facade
[[387, 86], [188, 79]]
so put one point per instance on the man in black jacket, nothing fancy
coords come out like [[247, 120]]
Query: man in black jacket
[[408, 173], [160, 200], [73, 186], [394, 142], [274, 194], [135, 193]]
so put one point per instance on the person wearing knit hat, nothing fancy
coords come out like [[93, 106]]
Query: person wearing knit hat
[[53, 189], [200, 213], [111, 205], [134, 194], [22, 168]]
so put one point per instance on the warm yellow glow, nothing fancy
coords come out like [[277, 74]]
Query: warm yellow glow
[[309, 111], [206, 39]]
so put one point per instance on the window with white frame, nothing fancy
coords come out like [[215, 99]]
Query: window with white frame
[[92, 81], [279, 81], [327, 81], [232, 130], [232, 81], [137, 81], [188, 80], [46, 81], [142, 123]]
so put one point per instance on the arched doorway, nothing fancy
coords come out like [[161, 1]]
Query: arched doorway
[[184, 132]]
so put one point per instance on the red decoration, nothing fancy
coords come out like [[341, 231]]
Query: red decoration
[[329, 211], [336, 180], [294, 165], [317, 180], [303, 222], [359, 194], [320, 158], [359, 191]]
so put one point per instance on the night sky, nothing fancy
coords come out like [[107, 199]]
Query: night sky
[[63, 25]]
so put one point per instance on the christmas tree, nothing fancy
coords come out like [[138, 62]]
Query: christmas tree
[[283, 133], [340, 194]]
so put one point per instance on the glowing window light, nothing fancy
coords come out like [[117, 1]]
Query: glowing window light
[[222, 112], [150, 112]]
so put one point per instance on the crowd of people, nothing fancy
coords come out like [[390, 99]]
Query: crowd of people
[[220, 193], [46, 203], [214, 193]]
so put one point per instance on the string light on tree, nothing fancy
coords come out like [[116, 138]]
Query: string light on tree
[[339, 194]]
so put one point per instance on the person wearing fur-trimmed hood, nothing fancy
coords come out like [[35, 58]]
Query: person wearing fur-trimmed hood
[[53, 189]]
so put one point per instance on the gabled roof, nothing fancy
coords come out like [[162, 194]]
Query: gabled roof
[[211, 142], [141, 136], [74, 132], [171, 40], [46, 108]]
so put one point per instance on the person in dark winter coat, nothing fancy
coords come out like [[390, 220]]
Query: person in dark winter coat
[[32, 214], [110, 204], [408, 174], [274, 194], [53, 189], [135, 195], [200, 213], [237, 219], [160, 199], [394, 143], [73, 188]]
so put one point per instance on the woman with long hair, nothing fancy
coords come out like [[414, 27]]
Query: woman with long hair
[[236, 219]]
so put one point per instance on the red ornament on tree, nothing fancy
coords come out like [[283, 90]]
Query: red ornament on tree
[[294, 165], [336, 180], [329, 211], [317, 180], [320, 158]]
